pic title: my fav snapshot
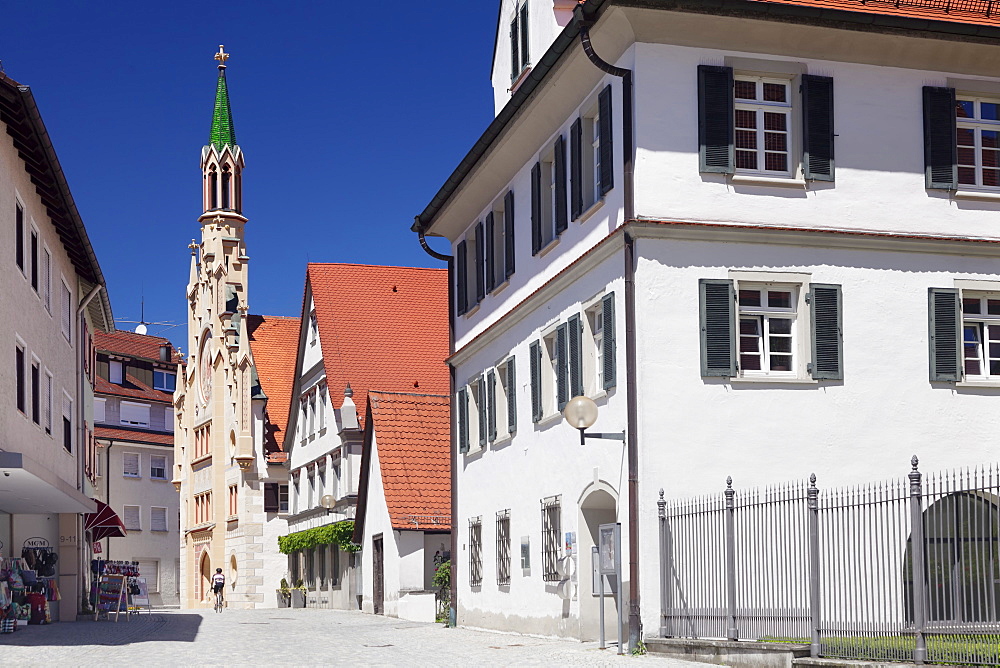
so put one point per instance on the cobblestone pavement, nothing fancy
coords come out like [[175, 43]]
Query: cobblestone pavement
[[293, 637]]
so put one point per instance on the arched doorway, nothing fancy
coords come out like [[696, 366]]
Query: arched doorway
[[598, 505], [205, 579]]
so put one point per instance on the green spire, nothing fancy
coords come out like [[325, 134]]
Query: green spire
[[223, 132]]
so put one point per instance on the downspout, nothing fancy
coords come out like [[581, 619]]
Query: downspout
[[631, 392], [453, 582]]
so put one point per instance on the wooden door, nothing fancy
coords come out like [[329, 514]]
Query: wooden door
[[378, 577]]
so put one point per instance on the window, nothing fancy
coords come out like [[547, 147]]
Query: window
[[519, 40], [499, 246], [164, 380], [49, 388], [312, 414], [150, 569], [747, 124], [310, 568], [233, 507], [134, 414], [981, 335], [477, 394], [978, 138], [321, 409], [202, 441], [116, 373], [168, 419], [47, 279], [33, 249], [476, 552], [203, 508], [763, 329], [462, 410], [313, 329], [132, 518], [36, 393], [67, 313], [100, 409], [19, 235], [130, 464], [592, 161], [551, 533], [68, 424], [548, 197], [158, 467], [503, 548], [501, 386], [19, 374], [157, 519], [282, 498], [763, 108], [321, 558], [275, 498]]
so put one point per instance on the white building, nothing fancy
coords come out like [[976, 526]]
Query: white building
[[365, 328], [732, 235], [54, 299]]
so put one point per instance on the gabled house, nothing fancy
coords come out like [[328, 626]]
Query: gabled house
[[403, 522], [363, 328], [759, 235]]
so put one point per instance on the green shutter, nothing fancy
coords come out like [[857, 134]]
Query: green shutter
[[716, 152], [606, 141], [481, 410], [562, 220], [562, 368], [535, 360], [945, 324], [718, 327], [461, 280], [515, 43], [511, 397], [490, 265], [826, 314], [508, 234], [576, 169], [463, 420], [817, 127], [536, 208], [608, 325], [491, 405], [940, 138], [574, 346], [524, 35], [480, 261]]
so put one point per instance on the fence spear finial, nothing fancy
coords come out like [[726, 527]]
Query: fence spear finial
[[914, 461], [812, 479], [729, 482]]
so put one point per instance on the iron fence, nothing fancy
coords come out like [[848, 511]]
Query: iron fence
[[835, 568]]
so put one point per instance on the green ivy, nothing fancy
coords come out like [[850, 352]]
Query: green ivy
[[339, 533]]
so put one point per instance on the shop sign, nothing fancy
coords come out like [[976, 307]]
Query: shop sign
[[98, 548], [36, 542]]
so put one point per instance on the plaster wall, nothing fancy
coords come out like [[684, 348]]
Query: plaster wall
[[377, 523]]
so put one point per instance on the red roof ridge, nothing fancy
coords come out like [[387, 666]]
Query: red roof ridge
[[374, 266]]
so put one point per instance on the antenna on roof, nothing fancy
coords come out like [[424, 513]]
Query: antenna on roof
[[141, 328]]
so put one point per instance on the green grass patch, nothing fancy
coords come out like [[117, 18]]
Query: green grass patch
[[961, 650]]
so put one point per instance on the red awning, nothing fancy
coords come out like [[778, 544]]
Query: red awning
[[105, 523]]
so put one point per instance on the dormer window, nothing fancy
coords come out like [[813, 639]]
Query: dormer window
[[519, 40]]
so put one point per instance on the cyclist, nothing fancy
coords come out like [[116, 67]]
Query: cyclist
[[218, 584]]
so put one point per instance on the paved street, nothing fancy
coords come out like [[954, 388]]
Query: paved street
[[293, 637]]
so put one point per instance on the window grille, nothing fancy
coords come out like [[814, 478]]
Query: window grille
[[551, 512], [476, 552], [503, 548]]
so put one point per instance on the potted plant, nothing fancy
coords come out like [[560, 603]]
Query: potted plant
[[284, 594], [299, 595]]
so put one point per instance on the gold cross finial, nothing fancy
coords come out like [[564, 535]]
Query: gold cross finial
[[222, 57], [193, 246]]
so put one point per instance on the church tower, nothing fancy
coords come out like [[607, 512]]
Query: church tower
[[221, 467]]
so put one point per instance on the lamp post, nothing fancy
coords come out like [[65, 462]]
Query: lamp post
[[581, 413], [328, 502]]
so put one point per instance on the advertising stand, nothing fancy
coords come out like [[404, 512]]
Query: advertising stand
[[609, 562], [112, 596]]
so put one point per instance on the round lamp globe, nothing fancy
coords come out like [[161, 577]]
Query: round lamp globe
[[580, 412]]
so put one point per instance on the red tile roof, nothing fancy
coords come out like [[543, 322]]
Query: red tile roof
[[132, 388], [381, 327], [132, 344], [412, 434], [975, 12], [274, 341], [134, 435]]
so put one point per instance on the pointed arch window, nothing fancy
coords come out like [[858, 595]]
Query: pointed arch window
[[238, 190], [226, 184], [213, 178]]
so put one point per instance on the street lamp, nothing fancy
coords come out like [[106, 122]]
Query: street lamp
[[328, 502], [581, 413]]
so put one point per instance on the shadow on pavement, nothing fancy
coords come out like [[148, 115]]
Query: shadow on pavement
[[175, 627]]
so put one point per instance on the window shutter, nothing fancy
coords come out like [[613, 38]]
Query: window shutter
[[826, 309], [132, 518], [718, 327], [461, 280], [270, 497], [574, 345], [535, 359], [463, 420], [130, 464], [562, 221], [157, 519], [490, 254], [511, 397], [607, 154], [608, 325], [481, 411], [817, 127], [508, 233], [536, 208], [480, 262], [491, 405], [945, 320], [940, 138], [524, 35], [562, 387], [715, 119], [576, 169], [515, 45]]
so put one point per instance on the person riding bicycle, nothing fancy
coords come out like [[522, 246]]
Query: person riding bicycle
[[218, 581]]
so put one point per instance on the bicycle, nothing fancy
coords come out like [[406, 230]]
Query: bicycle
[[219, 603]]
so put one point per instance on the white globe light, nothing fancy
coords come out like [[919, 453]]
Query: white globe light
[[580, 412], [328, 501]]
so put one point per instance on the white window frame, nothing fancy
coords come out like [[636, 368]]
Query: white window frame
[[34, 258], [548, 198], [977, 124], [100, 409], [313, 328], [138, 518], [763, 315], [473, 266], [138, 465], [68, 417], [162, 386], [760, 107], [547, 372], [49, 392], [19, 205], [499, 243], [283, 492], [152, 520], [500, 399], [983, 322], [133, 423], [321, 409], [116, 372], [165, 467], [46, 278], [67, 312], [168, 419]]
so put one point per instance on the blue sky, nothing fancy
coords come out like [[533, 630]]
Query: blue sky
[[351, 116]]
